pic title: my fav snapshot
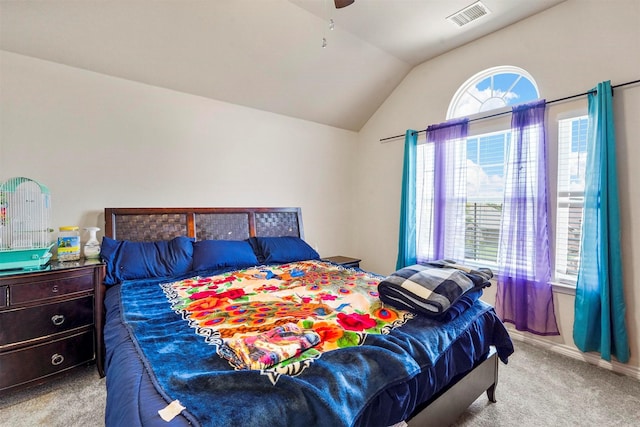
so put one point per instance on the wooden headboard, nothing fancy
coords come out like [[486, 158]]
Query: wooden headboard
[[149, 224]]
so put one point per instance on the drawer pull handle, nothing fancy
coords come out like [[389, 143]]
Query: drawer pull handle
[[57, 319], [57, 359], [54, 289]]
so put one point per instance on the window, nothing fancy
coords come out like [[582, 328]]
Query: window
[[486, 158], [492, 89], [485, 188], [486, 164], [485, 171], [572, 156]]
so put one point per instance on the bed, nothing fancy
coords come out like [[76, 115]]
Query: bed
[[161, 346]]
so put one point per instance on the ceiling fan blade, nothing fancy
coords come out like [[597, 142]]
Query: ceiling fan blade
[[342, 3]]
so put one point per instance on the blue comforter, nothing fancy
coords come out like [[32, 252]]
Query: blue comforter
[[376, 383]]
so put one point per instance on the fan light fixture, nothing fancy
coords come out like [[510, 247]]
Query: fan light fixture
[[342, 3]]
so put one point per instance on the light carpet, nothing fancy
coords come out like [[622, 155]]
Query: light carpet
[[536, 388]]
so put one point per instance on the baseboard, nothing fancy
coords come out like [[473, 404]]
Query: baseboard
[[574, 353]]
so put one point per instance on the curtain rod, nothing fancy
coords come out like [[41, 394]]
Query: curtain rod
[[509, 112]]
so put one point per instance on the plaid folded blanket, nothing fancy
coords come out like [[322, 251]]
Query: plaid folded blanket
[[433, 288], [479, 276]]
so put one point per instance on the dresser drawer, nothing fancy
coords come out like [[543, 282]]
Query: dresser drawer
[[32, 363], [24, 324], [55, 285]]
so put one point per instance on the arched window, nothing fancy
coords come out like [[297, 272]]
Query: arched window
[[483, 156], [492, 89]]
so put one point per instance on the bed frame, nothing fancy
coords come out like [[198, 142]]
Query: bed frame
[[149, 224]]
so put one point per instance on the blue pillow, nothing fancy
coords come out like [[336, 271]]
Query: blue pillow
[[209, 254], [126, 260], [285, 249]]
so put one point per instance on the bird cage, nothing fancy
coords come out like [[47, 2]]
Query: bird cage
[[25, 224]]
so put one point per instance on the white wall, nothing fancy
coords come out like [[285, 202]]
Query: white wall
[[98, 141], [568, 49]]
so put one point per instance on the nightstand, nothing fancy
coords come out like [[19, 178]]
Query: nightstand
[[47, 321], [344, 261]]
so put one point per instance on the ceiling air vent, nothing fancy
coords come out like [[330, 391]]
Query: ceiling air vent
[[468, 14]]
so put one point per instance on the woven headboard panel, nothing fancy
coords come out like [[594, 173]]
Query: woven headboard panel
[[149, 224]]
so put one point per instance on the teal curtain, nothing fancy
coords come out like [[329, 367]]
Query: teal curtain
[[599, 305], [407, 238]]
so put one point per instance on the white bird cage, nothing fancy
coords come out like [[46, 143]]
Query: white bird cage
[[25, 224]]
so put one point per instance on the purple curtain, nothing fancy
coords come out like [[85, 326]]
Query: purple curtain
[[449, 156], [524, 295]]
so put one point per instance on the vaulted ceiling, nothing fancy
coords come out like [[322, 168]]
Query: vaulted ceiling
[[264, 54]]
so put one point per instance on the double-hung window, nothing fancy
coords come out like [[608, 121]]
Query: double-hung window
[[572, 157], [485, 169], [485, 194]]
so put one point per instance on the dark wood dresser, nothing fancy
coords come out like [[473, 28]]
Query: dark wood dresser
[[48, 321]]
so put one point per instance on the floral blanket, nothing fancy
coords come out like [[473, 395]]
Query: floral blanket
[[295, 312]]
